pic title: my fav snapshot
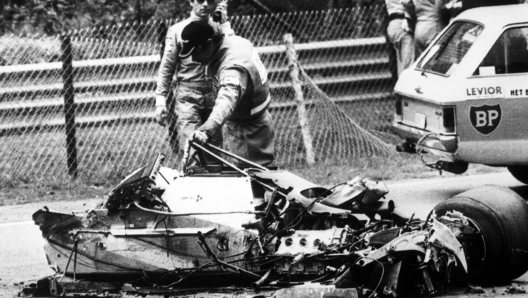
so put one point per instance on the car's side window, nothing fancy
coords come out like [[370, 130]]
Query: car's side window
[[508, 55]]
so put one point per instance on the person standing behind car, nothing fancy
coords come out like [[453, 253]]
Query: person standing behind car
[[400, 34], [241, 89], [193, 90], [431, 18]]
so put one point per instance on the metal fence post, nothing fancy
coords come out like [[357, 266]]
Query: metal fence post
[[299, 97], [69, 104]]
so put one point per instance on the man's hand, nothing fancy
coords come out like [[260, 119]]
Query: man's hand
[[220, 13], [408, 4], [199, 137], [161, 115], [454, 4], [454, 7]]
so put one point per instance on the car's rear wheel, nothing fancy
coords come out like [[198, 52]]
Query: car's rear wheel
[[498, 252], [520, 173]]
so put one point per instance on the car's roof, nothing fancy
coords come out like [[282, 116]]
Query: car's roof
[[497, 15]]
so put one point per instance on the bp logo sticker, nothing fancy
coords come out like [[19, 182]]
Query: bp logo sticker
[[485, 119]]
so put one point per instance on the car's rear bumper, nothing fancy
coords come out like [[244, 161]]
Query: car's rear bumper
[[438, 144]]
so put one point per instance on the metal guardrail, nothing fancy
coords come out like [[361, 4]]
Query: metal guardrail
[[349, 71]]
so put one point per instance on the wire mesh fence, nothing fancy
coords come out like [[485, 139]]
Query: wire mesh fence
[[345, 80]]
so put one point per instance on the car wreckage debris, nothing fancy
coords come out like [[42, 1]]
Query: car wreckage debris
[[258, 232]]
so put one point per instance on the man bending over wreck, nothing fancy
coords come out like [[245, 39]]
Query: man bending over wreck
[[241, 91]]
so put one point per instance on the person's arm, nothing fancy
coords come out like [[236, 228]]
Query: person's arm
[[223, 25], [225, 28], [165, 74], [233, 84]]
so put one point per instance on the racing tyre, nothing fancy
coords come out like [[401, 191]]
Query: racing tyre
[[499, 252], [520, 173]]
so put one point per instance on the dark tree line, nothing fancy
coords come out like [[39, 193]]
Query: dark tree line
[[53, 16]]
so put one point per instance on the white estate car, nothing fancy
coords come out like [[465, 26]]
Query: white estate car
[[465, 99]]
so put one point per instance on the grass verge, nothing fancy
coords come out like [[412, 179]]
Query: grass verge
[[399, 167]]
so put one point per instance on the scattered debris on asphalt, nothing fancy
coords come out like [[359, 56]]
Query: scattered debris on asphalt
[[474, 290], [515, 289]]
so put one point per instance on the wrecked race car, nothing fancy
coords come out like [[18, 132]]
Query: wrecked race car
[[267, 232]]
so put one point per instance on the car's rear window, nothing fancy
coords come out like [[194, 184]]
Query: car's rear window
[[445, 55]]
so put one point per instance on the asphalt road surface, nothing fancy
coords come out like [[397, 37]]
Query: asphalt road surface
[[22, 258]]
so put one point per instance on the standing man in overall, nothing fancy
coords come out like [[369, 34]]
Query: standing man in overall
[[431, 18], [193, 88], [400, 32], [433, 15], [241, 91]]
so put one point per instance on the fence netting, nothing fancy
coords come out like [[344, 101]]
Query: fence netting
[[345, 77]]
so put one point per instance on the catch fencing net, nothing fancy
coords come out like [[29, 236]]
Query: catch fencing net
[[335, 133], [345, 80]]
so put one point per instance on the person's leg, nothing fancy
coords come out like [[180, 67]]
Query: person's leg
[[407, 50], [391, 37], [253, 140], [420, 36], [425, 33], [209, 101], [188, 105], [217, 138], [403, 43], [261, 140]]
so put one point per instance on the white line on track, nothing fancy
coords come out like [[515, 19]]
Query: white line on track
[[19, 223]]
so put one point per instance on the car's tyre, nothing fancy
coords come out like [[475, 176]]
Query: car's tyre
[[499, 254], [520, 173]]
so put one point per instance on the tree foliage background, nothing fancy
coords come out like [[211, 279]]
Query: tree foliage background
[[53, 16]]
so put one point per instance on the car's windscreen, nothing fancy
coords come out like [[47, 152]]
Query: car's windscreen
[[445, 55]]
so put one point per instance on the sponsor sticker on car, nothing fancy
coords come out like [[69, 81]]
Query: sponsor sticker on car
[[484, 92], [485, 119]]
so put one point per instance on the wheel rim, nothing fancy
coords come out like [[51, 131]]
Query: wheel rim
[[475, 248]]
